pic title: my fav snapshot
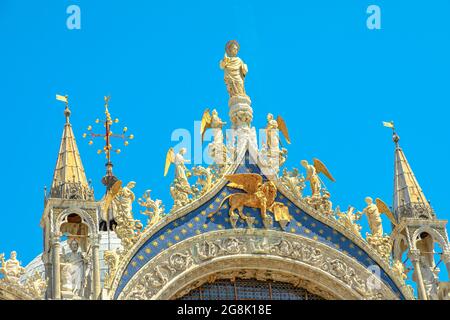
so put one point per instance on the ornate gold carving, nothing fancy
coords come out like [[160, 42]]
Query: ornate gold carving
[[260, 195], [155, 276], [112, 260], [127, 229], [399, 269], [294, 182], [11, 269], [349, 219], [154, 209]]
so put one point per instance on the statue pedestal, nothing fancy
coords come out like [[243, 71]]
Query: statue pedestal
[[242, 133], [241, 112]]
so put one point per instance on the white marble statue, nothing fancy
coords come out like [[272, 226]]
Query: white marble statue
[[73, 271], [11, 268]]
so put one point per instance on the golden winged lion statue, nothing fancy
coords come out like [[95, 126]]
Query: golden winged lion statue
[[258, 194]]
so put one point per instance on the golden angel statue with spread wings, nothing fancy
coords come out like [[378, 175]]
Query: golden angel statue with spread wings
[[212, 121], [373, 212], [272, 137], [312, 175], [180, 188]]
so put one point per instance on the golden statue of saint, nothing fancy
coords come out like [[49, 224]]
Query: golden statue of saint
[[235, 70]]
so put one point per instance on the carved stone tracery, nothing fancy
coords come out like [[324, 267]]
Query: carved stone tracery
[[225, 249]]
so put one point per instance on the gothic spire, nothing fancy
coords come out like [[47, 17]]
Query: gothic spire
[[69, 178], [409, 200]]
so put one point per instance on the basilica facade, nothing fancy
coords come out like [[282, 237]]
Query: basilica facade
[[244, 227]]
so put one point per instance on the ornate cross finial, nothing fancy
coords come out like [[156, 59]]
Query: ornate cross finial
[[108, 135]]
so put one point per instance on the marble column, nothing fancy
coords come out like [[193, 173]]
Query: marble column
[[415, 259], [96, 266], [56, 268]]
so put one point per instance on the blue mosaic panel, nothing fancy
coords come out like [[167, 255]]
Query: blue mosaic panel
[[196, 223]]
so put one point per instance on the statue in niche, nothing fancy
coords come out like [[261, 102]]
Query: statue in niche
[[74, 272], [430, 279]]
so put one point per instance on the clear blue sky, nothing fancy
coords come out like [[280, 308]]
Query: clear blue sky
[[313, 62]]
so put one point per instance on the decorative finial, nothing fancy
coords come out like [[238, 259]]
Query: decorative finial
[[65, 99], [107, 123], [395, 136]]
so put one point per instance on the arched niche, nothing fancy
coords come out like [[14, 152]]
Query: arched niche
[[285, 256]]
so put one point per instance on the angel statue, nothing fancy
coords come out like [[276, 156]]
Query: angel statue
[[373, 212], [382, 244], [312, 175], [272, 137], [235, 70], [217, 149], [180, 189]]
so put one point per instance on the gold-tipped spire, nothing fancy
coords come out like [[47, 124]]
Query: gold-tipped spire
[[409, 199], [69, 178]]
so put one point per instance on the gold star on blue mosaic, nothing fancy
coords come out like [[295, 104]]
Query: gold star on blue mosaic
[[190, 225], [205, 226], [141, 257], [133, 263], [203, 213], [183, 231], [161, 237], [148, 250], [177, 238], [155, 243]]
